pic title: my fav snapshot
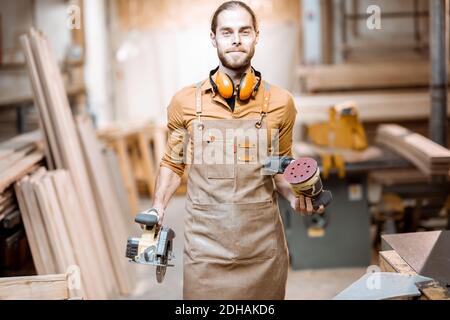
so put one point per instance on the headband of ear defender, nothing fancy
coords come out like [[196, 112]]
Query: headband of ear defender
[[248, 85]]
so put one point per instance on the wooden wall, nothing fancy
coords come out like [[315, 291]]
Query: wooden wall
[[182, 13]]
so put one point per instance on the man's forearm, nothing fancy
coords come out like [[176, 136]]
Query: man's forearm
[[167, 183]]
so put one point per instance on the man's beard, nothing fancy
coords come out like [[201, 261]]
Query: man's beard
[[229, 63]]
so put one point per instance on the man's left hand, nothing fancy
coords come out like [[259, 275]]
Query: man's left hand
[[304, 206]]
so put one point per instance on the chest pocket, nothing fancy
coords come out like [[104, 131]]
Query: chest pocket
[[219, 159]]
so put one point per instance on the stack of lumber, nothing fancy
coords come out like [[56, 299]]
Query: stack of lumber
[[18, 156], [74, 147], [375, 106], [428, 156], [363, 76], [56, 229]]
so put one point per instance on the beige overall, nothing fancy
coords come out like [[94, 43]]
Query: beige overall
[[235, 246]]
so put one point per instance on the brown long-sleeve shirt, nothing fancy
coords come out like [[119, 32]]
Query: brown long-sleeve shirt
[[181, 113]]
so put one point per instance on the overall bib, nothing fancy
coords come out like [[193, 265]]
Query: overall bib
[[235, 246]]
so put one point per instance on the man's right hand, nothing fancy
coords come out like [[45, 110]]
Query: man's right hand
[[160, 212]]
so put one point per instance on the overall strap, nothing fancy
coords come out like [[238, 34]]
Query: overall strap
[[265, 106], [198, 104]]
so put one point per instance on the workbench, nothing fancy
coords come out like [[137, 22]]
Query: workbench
[[421, 253]]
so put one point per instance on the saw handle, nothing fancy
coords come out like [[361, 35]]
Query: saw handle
[[324, 198], [146, 218]]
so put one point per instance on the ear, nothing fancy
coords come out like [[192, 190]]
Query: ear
[[257, 37], [213, 39]]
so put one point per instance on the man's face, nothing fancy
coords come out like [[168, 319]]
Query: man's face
[[235, 38]]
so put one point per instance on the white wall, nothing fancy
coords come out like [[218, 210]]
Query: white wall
[[167, 60], [50, 18], [18, 16], [97, 61], [311, 27]]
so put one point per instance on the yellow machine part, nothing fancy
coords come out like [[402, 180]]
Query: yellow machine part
[[148, 238], [343, 130]]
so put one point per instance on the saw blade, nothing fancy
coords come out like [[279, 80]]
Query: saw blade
[[160, 273]]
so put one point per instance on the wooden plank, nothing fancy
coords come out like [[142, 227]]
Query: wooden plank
[[34, 227], [44, 287], [127, 174], [4, 153], [6, 204], [8, 210], [390, 261], [119, 185], [434, 151], [37, 218], [6, 195], [22, 141], [432, 290], [55, 226], [21, 168], [148, 164], [115, 232], [6, 162], [80, 239], [424, 145], [50, 145], [427, 155]]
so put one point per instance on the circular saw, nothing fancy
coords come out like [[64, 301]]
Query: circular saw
[[155, 245]]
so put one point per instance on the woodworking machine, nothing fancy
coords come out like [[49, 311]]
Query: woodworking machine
[[155, 245]]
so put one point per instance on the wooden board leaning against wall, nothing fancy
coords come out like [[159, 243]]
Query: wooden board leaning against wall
[[73, 149]]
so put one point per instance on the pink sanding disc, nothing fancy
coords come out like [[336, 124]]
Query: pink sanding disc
[[300, 170]]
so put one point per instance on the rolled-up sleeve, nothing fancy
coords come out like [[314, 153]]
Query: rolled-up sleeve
[[173, 155], [286, 128]]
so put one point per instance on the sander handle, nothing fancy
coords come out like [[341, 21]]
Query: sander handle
[[324, 198]]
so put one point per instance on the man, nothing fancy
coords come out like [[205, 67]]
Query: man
[[235, 246]]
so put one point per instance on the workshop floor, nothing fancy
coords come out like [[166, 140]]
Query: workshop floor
[[305, 284]]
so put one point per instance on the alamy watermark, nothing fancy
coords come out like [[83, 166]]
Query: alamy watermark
[[228, 146], [373, 282], [73, 20], [373, 22], [74, 277]]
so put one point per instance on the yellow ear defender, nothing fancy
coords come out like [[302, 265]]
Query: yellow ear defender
[[248, 85]]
